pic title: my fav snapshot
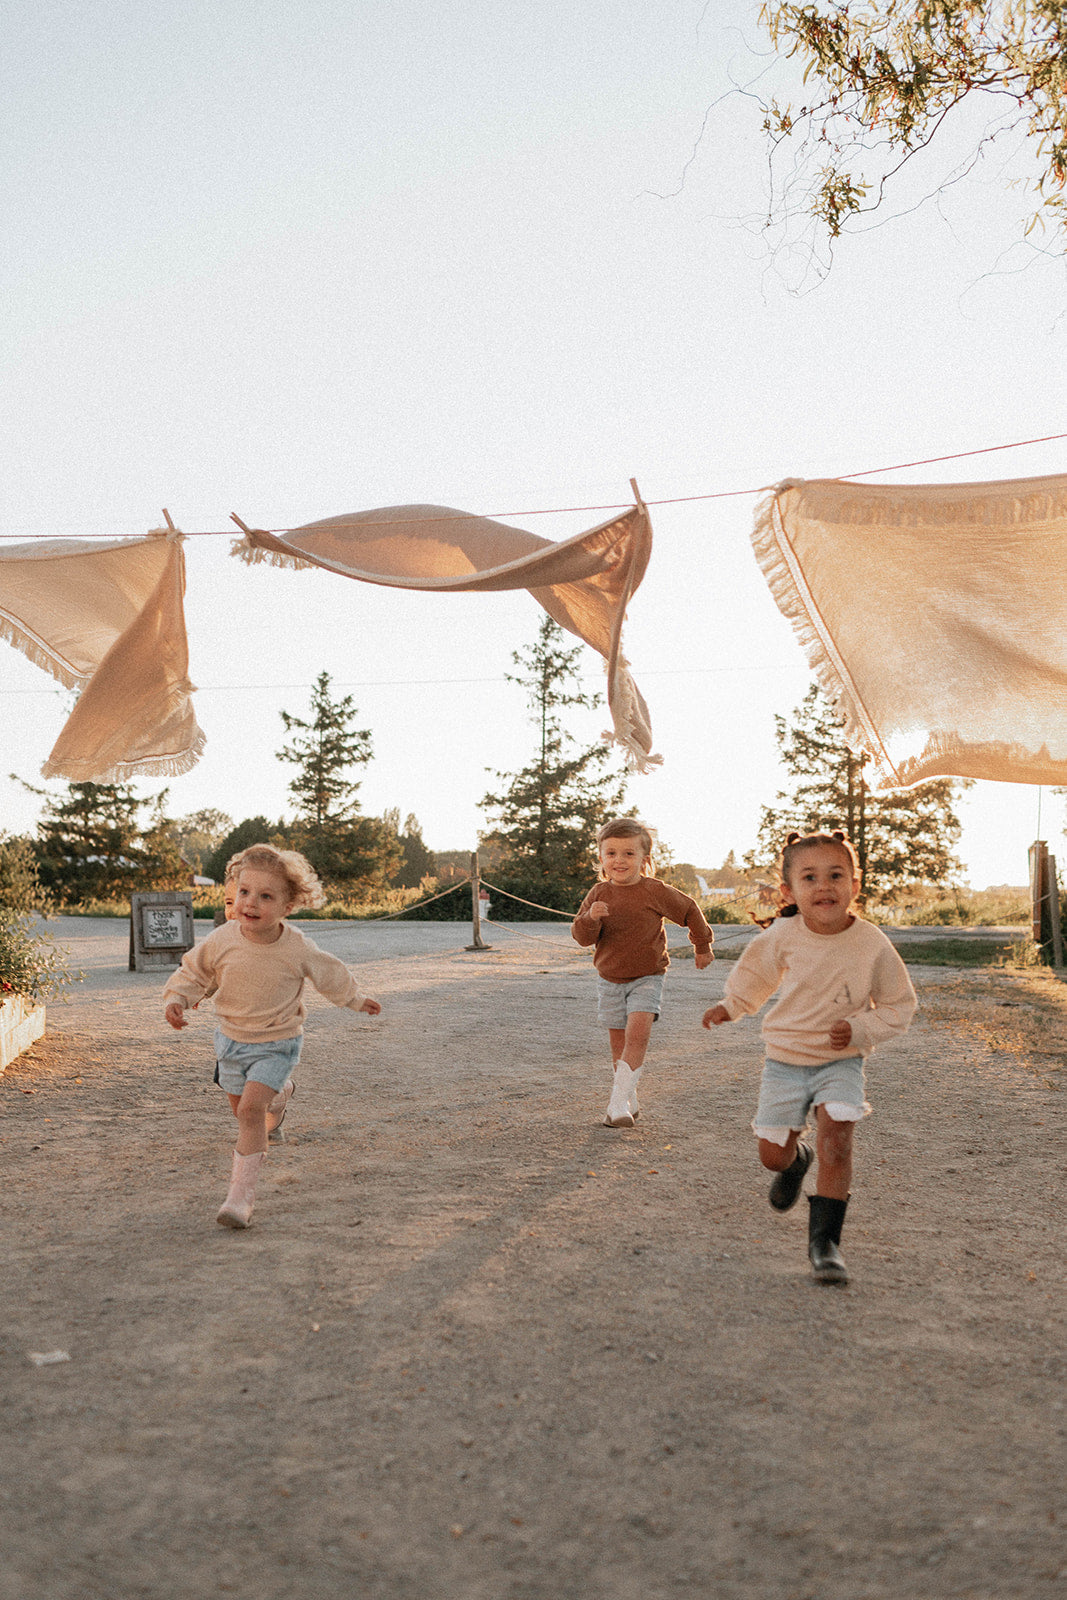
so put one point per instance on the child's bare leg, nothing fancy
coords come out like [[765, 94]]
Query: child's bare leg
[[633, 1039], [235, 1101], [252, 1118], [834, 1149], [777, 1157]]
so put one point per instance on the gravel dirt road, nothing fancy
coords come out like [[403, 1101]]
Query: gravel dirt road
[[477, 1346]]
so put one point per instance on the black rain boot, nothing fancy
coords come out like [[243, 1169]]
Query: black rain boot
[[785, 1189], [824, 1235]]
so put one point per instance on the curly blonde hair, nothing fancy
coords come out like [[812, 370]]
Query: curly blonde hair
[[301, 880]]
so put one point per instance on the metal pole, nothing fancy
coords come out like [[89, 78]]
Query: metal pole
[[477, 942]]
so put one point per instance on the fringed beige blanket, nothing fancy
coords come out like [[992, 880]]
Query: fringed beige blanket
[[108, 619], [935, 618], [585, 582]]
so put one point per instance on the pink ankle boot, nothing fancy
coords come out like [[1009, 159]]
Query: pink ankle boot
[[236, 1209]]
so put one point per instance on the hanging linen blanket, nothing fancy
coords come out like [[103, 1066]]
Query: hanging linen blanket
[[584, 583], [108, 619], [935, 618]]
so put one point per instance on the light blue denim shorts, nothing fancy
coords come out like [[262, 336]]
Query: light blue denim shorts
[[238, 1062], [788, 1093], [615, 1001]]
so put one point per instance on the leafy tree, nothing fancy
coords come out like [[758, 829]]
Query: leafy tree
[[199, 834], [902, 838], [21, 890], [253, 830], [549, 812], [90, 845], [886, 78], [417, 861], [30, 962], [728, 876], [353, 854]]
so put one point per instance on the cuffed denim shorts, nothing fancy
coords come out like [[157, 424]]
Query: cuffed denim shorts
[[788, 1093], [238, 1062], [615, 1001]]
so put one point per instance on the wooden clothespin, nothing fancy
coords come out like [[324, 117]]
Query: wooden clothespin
[[245, 529], [637, 497], [169, 523]]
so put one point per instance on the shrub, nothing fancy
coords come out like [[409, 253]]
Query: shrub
[[30, 963]]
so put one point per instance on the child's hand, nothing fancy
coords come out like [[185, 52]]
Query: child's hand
[[371, 1007], [717, 1015], [598, 910], [703, 958], [840, 1035], [175, 1014]]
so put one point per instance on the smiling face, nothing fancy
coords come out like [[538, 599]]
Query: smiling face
[[262, 901], [822, 885], [622, 860]]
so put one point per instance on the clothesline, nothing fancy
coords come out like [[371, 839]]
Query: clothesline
[[931, 615], [675, 500]]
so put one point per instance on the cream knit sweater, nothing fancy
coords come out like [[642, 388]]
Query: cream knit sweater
[[260, 986], [821, 978]]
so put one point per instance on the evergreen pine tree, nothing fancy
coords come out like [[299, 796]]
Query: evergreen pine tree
[[90, 846], [350, 852], [548, 814], [904, 837]]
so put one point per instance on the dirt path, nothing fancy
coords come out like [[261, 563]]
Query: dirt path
[[478, 1347]]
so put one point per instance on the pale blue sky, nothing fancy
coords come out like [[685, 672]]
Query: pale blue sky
[[298, 260]]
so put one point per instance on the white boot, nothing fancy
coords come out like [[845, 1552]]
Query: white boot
[[236, 1209], [619, 1114], [631, 1099]]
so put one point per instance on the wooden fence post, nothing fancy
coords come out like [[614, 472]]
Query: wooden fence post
[[477, 942], [1052, 896], [1045, 904]]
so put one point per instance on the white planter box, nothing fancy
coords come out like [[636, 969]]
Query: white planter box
[[21, 1022]]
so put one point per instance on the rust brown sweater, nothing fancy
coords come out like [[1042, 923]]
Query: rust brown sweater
[[630, 941]]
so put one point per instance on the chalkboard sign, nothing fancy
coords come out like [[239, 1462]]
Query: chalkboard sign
[[161, 929]]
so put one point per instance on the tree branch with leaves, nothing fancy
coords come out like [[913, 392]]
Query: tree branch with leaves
[[886, 79]]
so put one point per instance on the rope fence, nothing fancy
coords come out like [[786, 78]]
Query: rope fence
[[535, 905], [394, 916]]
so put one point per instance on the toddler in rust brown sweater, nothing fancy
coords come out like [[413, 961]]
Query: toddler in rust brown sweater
[[623, 916]]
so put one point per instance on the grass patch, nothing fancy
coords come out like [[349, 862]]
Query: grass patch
[[955, 952], [1011, 1013], [913, 952]]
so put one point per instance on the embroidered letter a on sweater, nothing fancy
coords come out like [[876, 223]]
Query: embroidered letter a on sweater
[[822, 978], [261, 986]]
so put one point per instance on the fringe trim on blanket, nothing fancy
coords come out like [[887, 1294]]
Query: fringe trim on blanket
[[254, 555], [1004, 503], [161, 766], [623, 700], [771, 547], [35, 650]]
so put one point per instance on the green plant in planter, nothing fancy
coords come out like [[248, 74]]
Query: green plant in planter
[[30, 963]]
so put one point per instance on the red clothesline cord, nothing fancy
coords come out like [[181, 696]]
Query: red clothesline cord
[[622, 505]]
